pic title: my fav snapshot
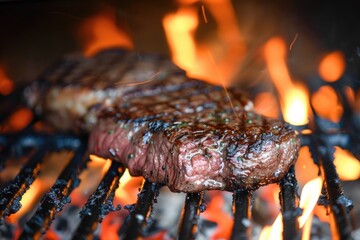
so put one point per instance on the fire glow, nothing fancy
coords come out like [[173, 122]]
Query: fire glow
[[308, 199], [201, 60], [100, 32], [294, 97]]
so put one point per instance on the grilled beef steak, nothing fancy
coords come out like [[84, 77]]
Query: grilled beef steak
[[185, 133]]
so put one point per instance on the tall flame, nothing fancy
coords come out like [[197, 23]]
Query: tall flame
[[294, 97]]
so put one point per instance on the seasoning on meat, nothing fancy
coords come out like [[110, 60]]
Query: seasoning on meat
[[170, 129]]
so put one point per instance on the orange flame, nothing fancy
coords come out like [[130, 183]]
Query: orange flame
[[266, 104], [197, 59], [90, 177], [128, 188], [28, 201], [326, 103], [332, 66], [101, 32], [309, 196], [6, 85], [347, 166], [294, 97], [305, 167]]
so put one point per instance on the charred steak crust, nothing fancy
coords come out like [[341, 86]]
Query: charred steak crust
[[142, 110]]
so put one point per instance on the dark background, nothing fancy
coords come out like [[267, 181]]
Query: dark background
[[33, 34]]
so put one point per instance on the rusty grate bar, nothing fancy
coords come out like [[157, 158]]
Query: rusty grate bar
[[188, 226], [242, 215], [100, 202], [289, 201], [54, 201], [139, 215], [12, 194]]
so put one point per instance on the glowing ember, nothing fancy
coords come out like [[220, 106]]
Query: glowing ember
[[101, 32], [347, 166], [332, 66], [215, 213], [326, 103], [6, 85], [20, 119], [309, 197], [294, 97]]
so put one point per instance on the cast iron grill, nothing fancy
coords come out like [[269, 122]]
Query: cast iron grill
[[321, 141]]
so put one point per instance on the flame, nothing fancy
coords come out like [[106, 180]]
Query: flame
[[128, 188], [90, 178], [6, 85], [347, 166], [215, 213], [197, 59], [28, 200], [294, 97], [309, 197], [326, 103], [101, 32], [265, 103], [305, 167], [99, 162], [332, 66], [51, 167]]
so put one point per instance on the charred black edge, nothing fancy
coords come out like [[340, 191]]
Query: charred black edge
[[289, 201], [339, 205], [242, 215], [54, 201], [100, 202], [12, 194], [188, 226], [138, 217]]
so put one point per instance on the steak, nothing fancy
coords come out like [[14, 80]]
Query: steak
[[185, 133]]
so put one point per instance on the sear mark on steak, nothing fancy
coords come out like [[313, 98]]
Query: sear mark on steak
[[142, 111]]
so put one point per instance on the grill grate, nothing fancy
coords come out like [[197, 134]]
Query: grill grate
[[321, 141]]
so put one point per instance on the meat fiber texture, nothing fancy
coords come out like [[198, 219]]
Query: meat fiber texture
[[146, 114]]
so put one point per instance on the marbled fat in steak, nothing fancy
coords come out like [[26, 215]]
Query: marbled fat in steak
[[181, 132]]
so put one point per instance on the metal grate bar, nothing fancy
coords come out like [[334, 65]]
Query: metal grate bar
[[242, 215], [100, 202], [339, 204], [138, 217], [188, 226], [289, 200], [55, 199], [12, 194]]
